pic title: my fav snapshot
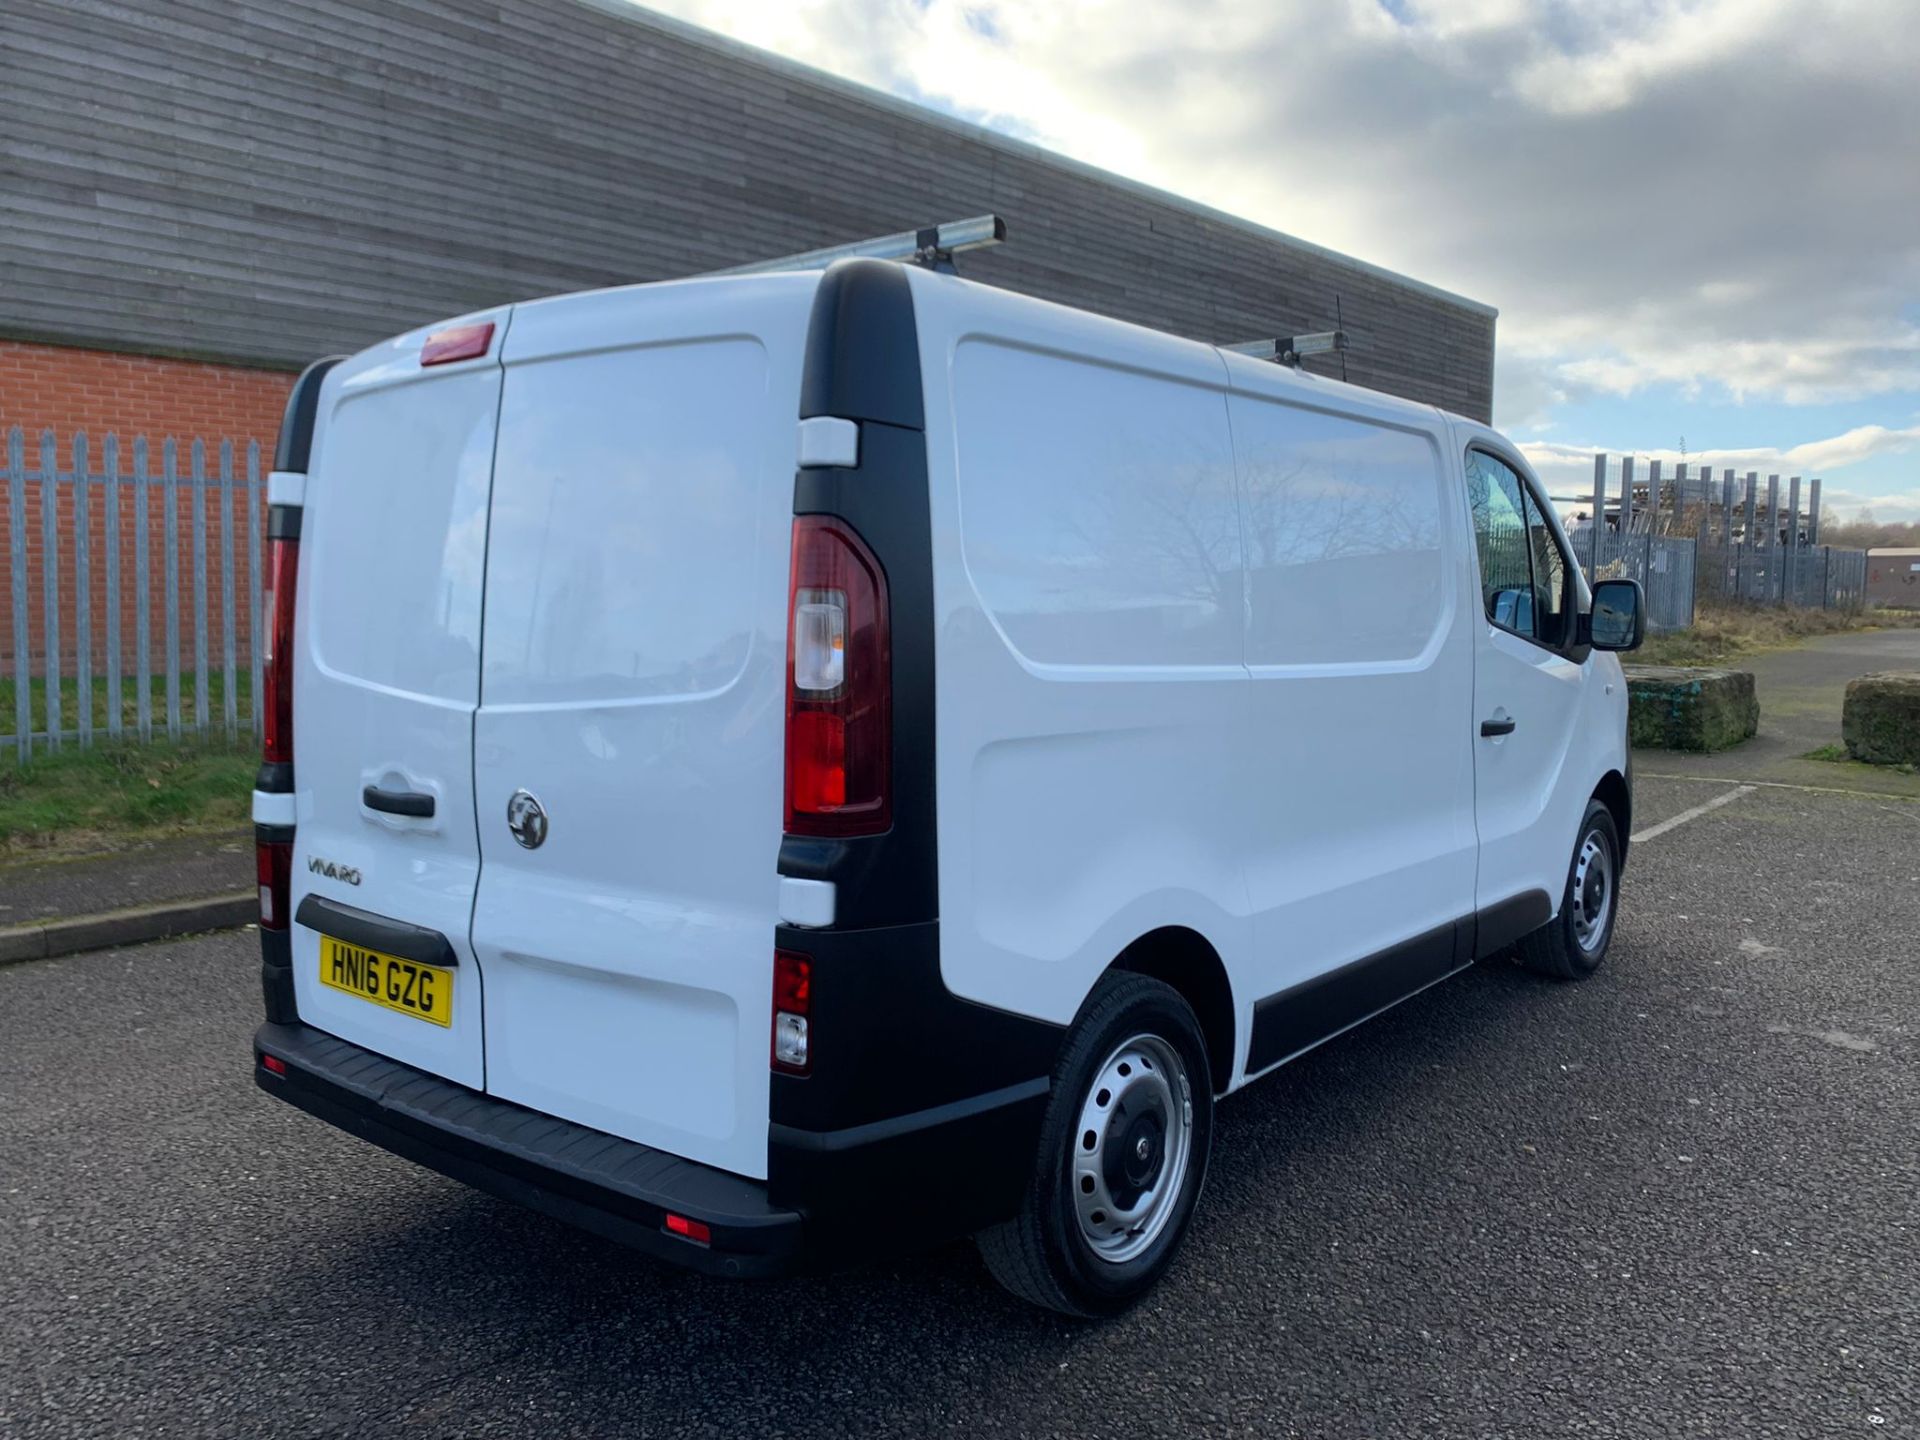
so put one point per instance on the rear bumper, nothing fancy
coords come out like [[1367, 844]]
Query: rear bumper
[[612, 1187], [844, 1196]]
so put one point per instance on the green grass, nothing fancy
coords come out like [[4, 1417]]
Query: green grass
[[129, 702], [1722, 633], [1839, 755], [81, 799]]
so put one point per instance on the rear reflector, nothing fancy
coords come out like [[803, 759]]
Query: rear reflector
[[687, 1229], [457, 342], [273, 867], [273, 1063]]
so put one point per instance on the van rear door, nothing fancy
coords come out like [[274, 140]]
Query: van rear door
[[630, 737], [386, 677]]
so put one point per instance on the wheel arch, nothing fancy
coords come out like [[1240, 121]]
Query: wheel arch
[[1616, 794], [1185, 959]]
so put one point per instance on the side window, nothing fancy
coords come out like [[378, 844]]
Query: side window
[[1549, 578], [1523, 575]]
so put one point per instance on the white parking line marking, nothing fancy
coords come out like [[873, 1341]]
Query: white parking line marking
[[1652, 831]]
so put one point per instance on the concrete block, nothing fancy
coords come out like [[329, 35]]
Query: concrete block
[[1880, 720], [1681, 708]]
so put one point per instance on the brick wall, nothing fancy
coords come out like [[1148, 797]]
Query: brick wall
[[66, 389]]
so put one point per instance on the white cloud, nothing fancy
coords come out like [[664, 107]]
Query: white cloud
[[1717, 194], [1567, 469]]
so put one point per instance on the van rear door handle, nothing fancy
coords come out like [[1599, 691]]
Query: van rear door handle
[[1497, 727], [398, 802]]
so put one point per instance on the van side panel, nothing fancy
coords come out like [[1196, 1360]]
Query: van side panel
[[1359, 766], [1087, 558]]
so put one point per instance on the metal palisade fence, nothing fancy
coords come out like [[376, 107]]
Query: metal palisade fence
[[133, 591], [1665, 566], [1688, 534]]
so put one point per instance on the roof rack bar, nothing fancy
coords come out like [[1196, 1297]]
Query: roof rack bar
[[934, 246], [1291, 349]]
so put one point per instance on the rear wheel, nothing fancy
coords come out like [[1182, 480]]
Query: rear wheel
[[1572, 944], [1123, 1155]]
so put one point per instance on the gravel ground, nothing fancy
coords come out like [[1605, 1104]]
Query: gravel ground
[[1682, 1198]]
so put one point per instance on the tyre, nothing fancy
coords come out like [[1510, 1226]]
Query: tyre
[[1572, 944], [1123, 1155]]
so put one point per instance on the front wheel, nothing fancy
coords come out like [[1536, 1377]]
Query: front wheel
[[1123, 1154], [1572, 944]]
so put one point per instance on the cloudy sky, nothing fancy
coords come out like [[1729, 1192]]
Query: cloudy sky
[[1700, 219]]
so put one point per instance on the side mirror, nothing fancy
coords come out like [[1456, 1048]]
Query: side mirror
[[1618, 620]]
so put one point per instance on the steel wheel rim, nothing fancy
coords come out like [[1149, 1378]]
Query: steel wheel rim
[[1592, 891], [1132, 1148]]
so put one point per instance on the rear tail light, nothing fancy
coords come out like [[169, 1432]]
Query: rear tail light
[[839, 692], [277, 656], [792, 1008], [273, 867]]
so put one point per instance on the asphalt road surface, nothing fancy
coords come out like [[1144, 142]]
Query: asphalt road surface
[[1682, 1198]]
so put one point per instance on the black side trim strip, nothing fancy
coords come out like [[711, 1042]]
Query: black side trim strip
[[1498, 926], [376, 932], [296, 423], [273, 834], [275, 777], [854, 1136], [1301, 1017], [283, 522]]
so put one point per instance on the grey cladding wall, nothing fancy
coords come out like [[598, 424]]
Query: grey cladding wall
[[266, 181]]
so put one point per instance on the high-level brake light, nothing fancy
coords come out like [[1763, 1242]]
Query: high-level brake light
[[457, 342]]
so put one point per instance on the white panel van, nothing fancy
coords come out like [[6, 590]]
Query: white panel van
[[786, 768]]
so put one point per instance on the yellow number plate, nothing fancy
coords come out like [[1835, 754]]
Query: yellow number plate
[[422, 991]]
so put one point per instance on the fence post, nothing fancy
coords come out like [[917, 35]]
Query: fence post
[[255, 525], [170, 490], [202, 669], [110, 489], [1793, 538], [142, 593], [1726, 506], [82, 594], [1599, 511], [1813, 512], [1773, 539], [1653, 496], [50, 580], [229, 701], [1680, 495], [1626, 500], [17, 562]]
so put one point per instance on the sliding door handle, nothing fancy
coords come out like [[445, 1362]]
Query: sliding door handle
[[1497, 727], [398, 802]]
